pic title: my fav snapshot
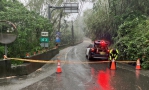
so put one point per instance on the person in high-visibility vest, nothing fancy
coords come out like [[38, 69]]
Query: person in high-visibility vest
[[113, 55]]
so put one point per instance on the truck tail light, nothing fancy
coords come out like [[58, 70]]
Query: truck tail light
[[92, 49], [108, 50]]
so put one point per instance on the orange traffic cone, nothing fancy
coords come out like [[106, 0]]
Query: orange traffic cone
[[138, 65], [59, 70], [113, 66], [5, 57]]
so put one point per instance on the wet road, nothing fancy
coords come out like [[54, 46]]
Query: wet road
[[80, 76]]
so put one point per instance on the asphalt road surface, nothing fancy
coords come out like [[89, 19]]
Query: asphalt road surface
[[80, 76]]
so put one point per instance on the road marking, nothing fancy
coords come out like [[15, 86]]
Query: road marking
[[67, 54], [60, 55], [76, 53], [81, 84]]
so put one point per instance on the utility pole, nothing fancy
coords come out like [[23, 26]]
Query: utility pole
[[60, 21], [68, 8], [72, 34]]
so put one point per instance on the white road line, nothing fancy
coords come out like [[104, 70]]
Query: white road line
[[67, 53], [81, 84], [76, 53]]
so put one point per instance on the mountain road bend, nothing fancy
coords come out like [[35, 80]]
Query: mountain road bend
[[80, 76]]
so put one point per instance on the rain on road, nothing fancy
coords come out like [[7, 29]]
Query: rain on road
[[77, 76]]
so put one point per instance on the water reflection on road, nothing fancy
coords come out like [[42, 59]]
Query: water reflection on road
[[101, 78]]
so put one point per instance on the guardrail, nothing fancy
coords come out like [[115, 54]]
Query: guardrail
[[5, 67]]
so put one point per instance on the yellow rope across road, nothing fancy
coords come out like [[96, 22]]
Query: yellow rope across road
[[67, 62], [32, 60], [77, 62]]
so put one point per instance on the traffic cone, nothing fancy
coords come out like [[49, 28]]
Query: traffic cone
[[5, 57], [113, 66], [59, 70], [138, 67]]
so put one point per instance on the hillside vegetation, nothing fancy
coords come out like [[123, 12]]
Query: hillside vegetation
[[30, 23], [124, 23]]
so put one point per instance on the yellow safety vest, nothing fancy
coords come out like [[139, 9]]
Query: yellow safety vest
[[113, 55]]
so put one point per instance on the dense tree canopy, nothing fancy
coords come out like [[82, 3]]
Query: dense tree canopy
[[29, 26], [124, 23], [30, 22]]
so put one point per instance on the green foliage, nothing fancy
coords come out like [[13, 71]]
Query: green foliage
[[97, 26], [2, 50], [29, 26], [145, 65], [124, 23], [132, 39], [2, 5], [15, 62]]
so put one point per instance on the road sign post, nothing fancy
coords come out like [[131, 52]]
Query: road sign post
[[71, 7], [44, 39], [58, 40], [68, 8]]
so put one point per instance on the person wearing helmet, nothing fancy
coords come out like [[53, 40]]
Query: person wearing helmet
[[113, 55]]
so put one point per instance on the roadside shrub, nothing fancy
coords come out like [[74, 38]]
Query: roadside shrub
[[15, 62], [145, 65]]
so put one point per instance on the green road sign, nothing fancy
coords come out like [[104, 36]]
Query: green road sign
[[44, 39]]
